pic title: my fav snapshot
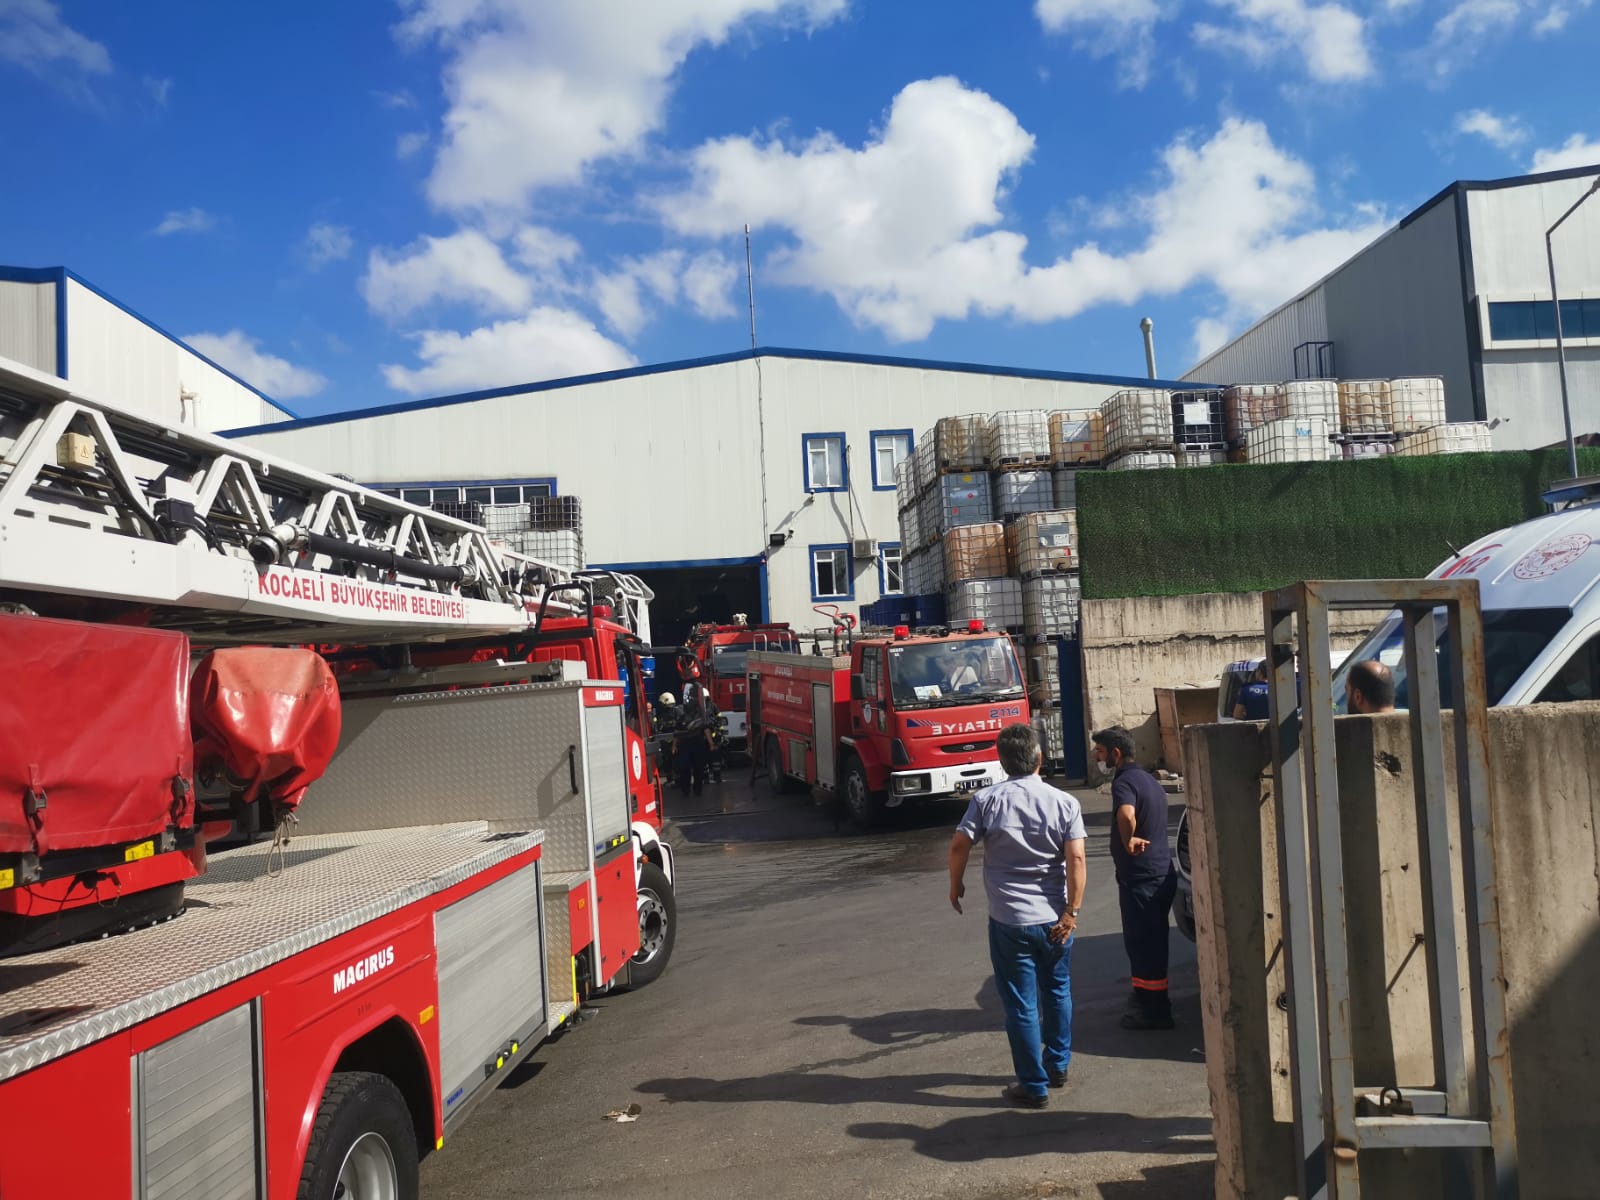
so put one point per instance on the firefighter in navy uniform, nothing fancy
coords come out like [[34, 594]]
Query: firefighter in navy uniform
[[665, 721], [693, 745]]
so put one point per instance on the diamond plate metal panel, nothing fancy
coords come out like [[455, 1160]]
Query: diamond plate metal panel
[[252, 908], [610, 803], [558, 942], [491, 979], [196, 1120], [506, 755]]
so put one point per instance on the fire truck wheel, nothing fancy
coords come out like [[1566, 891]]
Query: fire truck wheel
[[363, 1146], [865, 805], [776, 778], [658, 926]]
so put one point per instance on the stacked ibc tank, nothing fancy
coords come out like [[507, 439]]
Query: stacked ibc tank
[[1320, 420], [1149, 429], [549, 528]]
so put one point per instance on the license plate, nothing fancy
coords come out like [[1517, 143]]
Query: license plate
[[971, 785]]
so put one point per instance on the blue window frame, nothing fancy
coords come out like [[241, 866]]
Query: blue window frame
[[890, 447], [823, 462], [891, 581], [1535, 320], [832, 572]]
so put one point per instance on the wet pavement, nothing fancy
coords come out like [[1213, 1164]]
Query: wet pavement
[[828, 1027]]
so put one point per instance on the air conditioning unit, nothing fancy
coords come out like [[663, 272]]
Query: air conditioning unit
[[864, 549]]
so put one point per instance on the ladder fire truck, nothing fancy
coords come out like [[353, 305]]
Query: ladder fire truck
[[441, 827]]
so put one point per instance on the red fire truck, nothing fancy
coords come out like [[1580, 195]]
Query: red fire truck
[[718, 655], [454, 859], [892, 719]]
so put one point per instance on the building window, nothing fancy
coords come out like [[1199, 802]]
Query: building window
[[824, 462], [454, 495], [1535, 320], [830, 573], [890, 581], [890, 448]]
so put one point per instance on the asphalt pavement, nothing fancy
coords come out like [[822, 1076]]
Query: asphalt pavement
[[828, 1027]]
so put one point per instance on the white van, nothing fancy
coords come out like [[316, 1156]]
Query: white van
[[1539, 585]]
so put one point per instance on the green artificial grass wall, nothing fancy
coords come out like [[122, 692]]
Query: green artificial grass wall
[[1250, 528]]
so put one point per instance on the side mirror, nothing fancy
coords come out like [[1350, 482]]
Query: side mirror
[[858, 687]]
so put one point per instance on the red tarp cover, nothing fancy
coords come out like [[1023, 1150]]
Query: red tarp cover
[[271, 715], [96, 717]]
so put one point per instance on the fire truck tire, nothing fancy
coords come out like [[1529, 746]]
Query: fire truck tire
[[866, 806], [777, 779], [363, 1145], [658, 926]]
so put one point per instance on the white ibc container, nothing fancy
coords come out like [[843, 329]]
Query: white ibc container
[[1462, 437], [1017, 437], [1296, 439], [1202, 458], [1064, 483], [910, 528], [1044, 675], [562, 547], [1416, 403], [1312, 399], [1144, 460], [995, 602], [959, 442], [1136, 419], [1248, 406], [1364, 406], [924, 463], [1018, 492], [926, 570], [1077, 436], [1050, 605], [1357, 451], [928, 515], [905, 484]]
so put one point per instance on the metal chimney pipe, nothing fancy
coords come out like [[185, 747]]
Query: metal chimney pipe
[[1148, 326]]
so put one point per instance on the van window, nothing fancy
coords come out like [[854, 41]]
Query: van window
[[1579, 679], [1512, 639]]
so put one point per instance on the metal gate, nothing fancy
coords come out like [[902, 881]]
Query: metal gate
[[822, 724]]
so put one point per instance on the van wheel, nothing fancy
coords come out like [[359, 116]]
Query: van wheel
[[865, 805], [363, 1145]]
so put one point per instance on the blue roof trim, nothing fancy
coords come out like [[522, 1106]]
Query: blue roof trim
[[714, 360], [678, 564], [60, 275]]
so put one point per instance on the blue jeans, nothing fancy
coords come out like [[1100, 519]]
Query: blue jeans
[[1034, 976]]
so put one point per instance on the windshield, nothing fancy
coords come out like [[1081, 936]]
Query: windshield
[[955, 672], [733, 658], [1512, 639]]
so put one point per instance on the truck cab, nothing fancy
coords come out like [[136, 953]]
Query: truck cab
[[899, 718], [721, 654]]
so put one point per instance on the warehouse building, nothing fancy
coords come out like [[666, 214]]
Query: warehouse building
[[53, 320], [760, 482], [1460, 289]]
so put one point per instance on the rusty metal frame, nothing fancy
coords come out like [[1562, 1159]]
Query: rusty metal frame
[[1466, 1108]]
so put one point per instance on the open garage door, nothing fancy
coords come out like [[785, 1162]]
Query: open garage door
[[688, 594]]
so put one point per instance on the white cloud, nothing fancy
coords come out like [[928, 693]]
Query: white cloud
[[1576, 151], [1210, 335], [395, 99], [1329, 37], [465, 268], [624, 295], [407, 145], [188, 220], [1503, 132], [1124, 29], [327, 243], [159, 89], [905, 231], [539, 89], [33, 35], [242, 354], [707, 281], [1473, 25], [547, 343]]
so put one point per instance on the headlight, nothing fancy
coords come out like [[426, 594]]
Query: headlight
[[904, 784]]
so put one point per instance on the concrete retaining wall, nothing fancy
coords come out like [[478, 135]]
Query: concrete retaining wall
[[1133, 646], [1545, 764]]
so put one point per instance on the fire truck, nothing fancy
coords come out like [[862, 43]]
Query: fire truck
[[716, 658], [299, 784], [887, 718]]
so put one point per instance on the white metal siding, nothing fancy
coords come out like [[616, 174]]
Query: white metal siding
[[1265, 352], [668, 465], [114, 354], [28, 324], [1398, 309]]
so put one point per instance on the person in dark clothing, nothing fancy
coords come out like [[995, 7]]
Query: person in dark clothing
[[694, 740], [1370, 687], [1255, 700], [1147, 877]]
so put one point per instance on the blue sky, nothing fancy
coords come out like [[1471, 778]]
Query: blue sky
[[356, 203]]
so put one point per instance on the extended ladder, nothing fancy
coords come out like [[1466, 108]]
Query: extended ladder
[[231, 544]]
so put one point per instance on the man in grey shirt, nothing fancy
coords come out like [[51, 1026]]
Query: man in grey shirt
[[1034, 870]]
